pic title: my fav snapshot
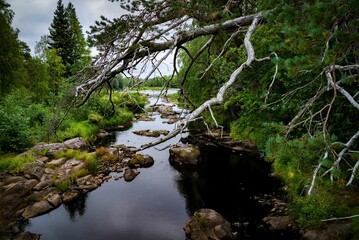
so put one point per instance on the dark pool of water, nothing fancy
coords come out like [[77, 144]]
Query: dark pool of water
[[159, 201]]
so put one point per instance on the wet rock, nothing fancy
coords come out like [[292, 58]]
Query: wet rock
[[76, 143], [130, 174], [140, 160], [208, 224], [36, 209], [188, 155]]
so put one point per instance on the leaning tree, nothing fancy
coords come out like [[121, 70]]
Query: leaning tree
[[153, 31]]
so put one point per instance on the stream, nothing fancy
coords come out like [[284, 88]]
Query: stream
[[159, 201]]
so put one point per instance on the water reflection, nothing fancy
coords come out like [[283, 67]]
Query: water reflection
[[76, 208], [227, 183]]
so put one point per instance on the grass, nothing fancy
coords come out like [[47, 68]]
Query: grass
[[14, 164], [90, 160]]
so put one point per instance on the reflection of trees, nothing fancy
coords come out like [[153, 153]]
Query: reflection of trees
[[227, 183], [76, 207]]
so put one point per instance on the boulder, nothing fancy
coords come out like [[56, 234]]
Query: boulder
[[278, 223], [70, 195], [54, 199], [76, 143], [188, 155], [208, 224], [140, 160], [130, 174], [37, 209], [34, 169], [51, 147]]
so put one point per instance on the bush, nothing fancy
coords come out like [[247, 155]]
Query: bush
[[311, 210]]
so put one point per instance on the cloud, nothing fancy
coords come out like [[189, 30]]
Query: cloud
[[33, 18]]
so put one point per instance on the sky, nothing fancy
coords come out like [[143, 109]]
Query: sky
[[33, 18]]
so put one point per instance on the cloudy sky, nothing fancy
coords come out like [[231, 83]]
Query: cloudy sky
[[33, 18]]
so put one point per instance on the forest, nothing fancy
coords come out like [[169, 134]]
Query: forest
[[284, 74]]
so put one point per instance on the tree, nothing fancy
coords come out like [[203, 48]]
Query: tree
[[288, 72], [11, 57], [60, 36], [80, 55]]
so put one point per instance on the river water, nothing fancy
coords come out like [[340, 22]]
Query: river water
[[159, 201]]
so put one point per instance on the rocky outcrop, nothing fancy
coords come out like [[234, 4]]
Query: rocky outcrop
[[140, 160], [185, 156], [51, 148], [208, 224]]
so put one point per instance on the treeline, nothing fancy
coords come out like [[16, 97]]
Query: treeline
[[36, 92]]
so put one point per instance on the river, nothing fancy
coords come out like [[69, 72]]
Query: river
[[159, 201]]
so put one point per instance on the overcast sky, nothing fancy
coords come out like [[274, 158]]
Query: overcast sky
[[33, 17]]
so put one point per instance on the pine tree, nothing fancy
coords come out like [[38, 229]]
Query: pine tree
[[79, 54], [60, 38]]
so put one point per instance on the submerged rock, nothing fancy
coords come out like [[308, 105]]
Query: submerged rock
[[208, 224], [188, 155]]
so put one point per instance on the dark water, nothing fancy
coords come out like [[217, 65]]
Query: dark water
[[159, 201]]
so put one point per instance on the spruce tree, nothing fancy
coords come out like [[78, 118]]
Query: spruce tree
[[79, 54], [60, 38]]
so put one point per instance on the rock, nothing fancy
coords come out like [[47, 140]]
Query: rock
[[13, 192], [54, 199], [34, 169], [28, 236], [73, 164], [329, 232], [151, 133], [208, 224], [129, 174], [140, 160], [45, 181], [278, 223], [51, 147], [57, 162], [37, 209], [68, 196], [188, 155], [164, 110], [88, 183], [76, 143], [144, 117]]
